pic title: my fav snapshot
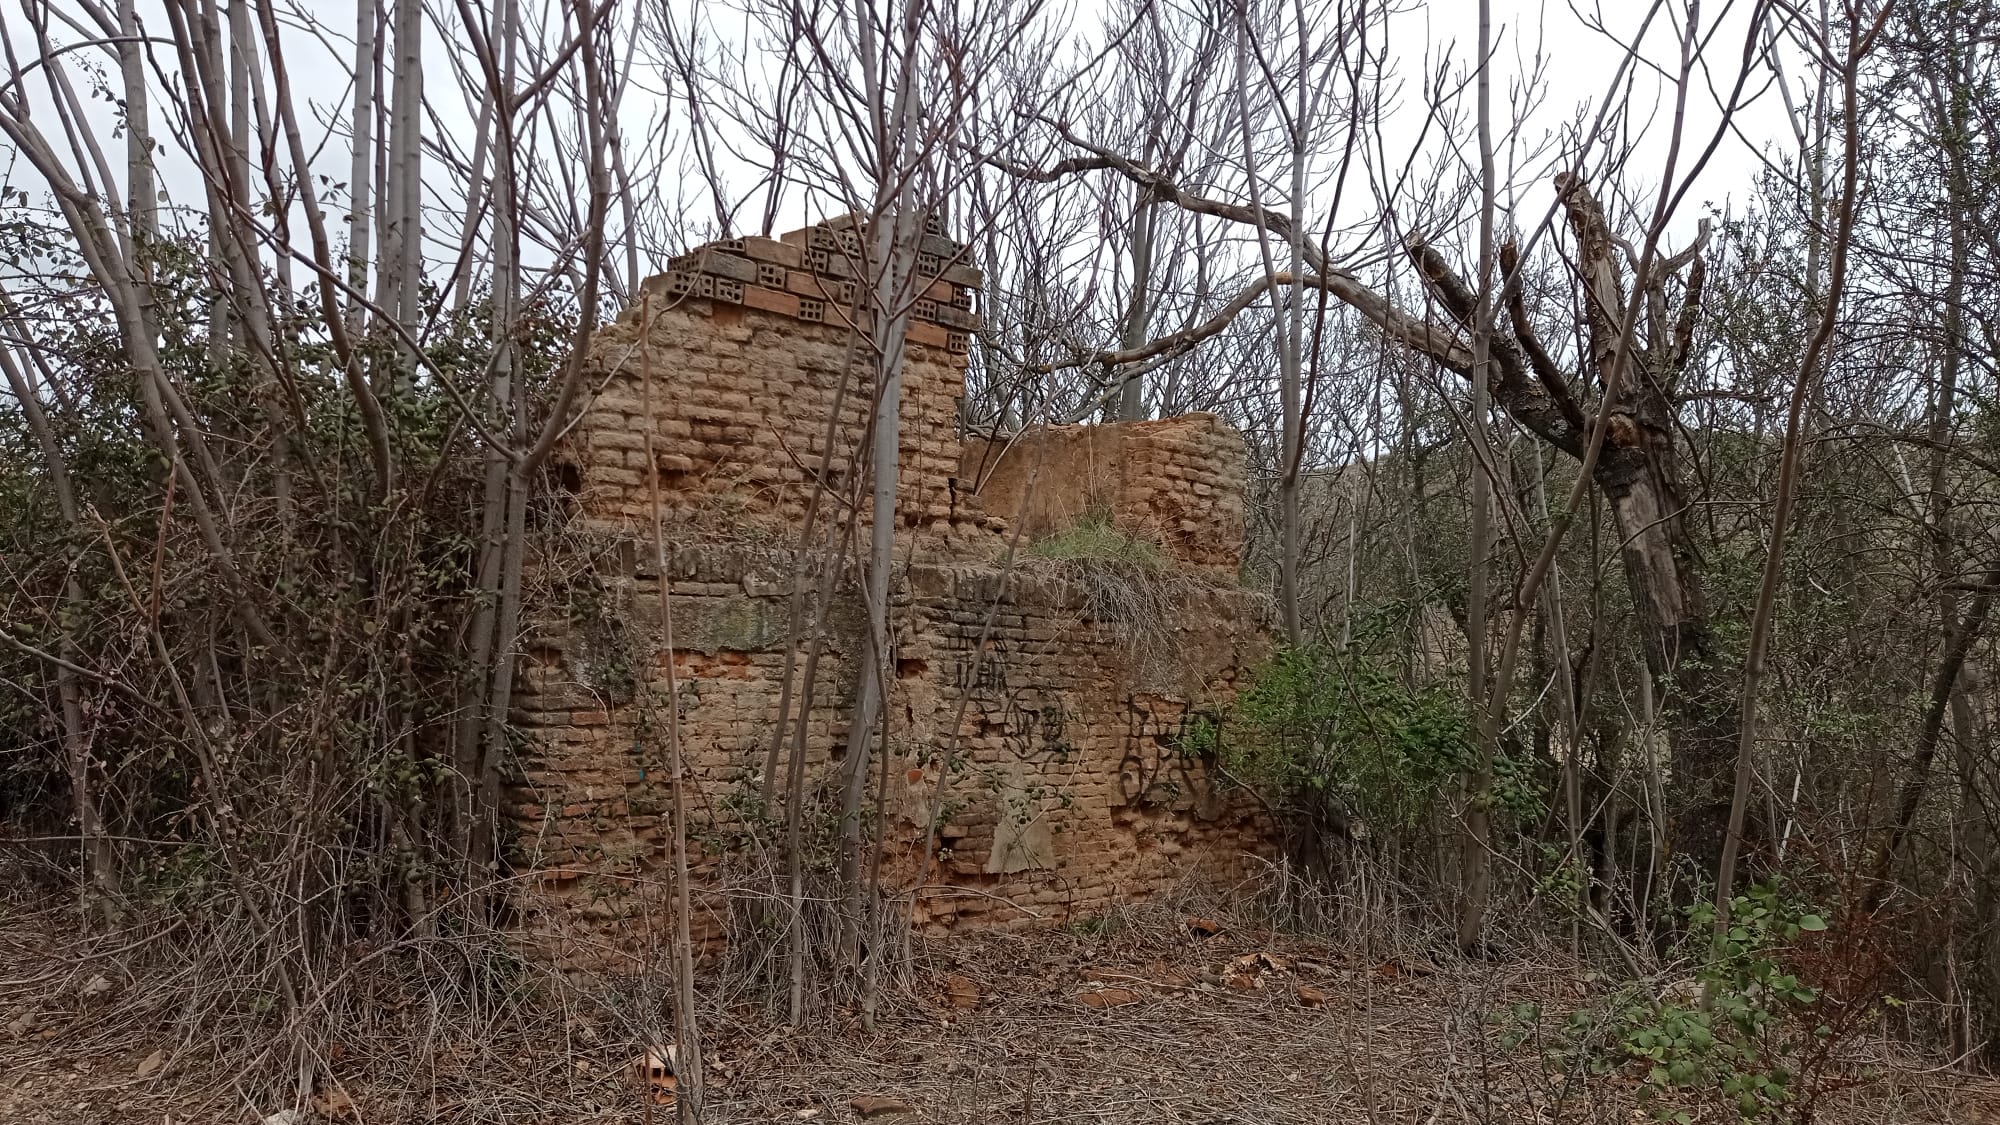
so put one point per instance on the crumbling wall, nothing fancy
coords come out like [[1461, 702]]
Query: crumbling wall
[[1085, 777], [733, 365], [1072, 745], [1177, 482]]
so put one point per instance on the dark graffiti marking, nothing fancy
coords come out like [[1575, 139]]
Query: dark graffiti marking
[[1033, 724], [1165, 767], [984, 677], [1038, 734], [1168, 762]]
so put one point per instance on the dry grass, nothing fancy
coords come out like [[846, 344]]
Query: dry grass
[[1403, 1040], [1122, 582]]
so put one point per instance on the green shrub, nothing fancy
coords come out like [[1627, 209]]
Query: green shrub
[[1738, 1036], [1330, 729]]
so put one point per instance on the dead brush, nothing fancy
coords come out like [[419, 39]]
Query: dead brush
[[173, 1015], [1120, 582]]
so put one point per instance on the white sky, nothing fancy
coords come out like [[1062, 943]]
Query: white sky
[[1578, 66]]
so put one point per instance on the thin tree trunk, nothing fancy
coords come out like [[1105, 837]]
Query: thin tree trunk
[[1289, 322], [687, 1036], [894, 117], [480, 738], [1138, 319], [1949, 114], [1790, 453], [359, 188], [100, 857], [1944, 686], [1476, 869]]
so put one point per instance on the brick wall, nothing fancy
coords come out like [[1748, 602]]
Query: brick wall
[[734, 362], [1075, 785], [1176, 481]]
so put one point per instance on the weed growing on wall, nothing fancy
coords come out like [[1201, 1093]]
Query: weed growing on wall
[[1123, 581], [1094, 539]]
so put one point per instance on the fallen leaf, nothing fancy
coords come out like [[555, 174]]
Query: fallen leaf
[[1312, 997], [151, 1065], [961, 991], [334, 1105], [1108, 998], [879, 1105], [21, 1025], [1242, 982], [1261, 962], [95, 986], [1204, 927]]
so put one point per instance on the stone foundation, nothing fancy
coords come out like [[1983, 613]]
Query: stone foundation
[[1078, 775]]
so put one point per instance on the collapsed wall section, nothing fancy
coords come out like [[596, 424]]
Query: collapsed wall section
[[1055, 770]]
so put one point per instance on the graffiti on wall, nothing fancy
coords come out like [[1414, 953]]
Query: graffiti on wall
[[1033, 723], [1167, 761], [1171, 763]]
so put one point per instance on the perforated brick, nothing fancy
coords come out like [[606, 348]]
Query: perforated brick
[[957, 318]]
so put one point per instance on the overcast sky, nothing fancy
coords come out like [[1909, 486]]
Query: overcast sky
[[1577, 64]]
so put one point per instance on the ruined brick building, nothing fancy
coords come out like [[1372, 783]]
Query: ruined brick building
[[1077, 784]]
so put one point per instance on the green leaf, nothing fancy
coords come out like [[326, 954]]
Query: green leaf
[[1812, 923]]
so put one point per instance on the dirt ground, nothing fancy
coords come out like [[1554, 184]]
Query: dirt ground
[[1151, 1020]]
